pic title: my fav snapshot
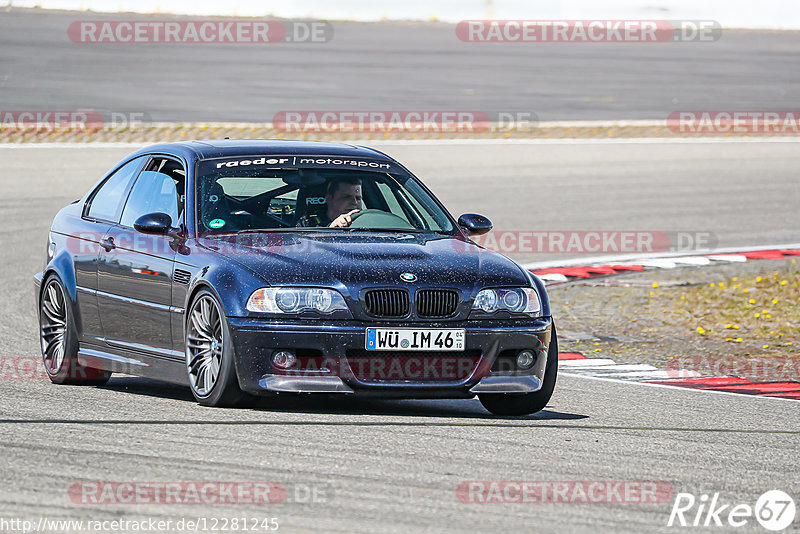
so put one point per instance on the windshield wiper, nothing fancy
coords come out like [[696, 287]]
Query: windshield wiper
[[277, 230], [398, 230]]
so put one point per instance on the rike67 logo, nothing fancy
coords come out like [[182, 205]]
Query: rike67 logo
[[774, 510]]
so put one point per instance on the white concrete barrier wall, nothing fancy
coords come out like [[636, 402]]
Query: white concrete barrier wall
[[763, 14]]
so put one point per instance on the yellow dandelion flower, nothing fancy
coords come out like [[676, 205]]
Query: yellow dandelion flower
[[721, 284], [736, 286], [728, 339], [598, 350], [784, 282], [735, 279], [746, 290], [752, 301], [767, 316], [736, 327], [655, 284], [739, 340], [788, 342], [764, 346], [758, 278], [729, 326], [756, 315], [652, 293], [711, 284], [701, 330], [748, 307], [774, 301]]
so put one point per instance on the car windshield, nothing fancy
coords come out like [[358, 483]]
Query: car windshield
[[261, 193]]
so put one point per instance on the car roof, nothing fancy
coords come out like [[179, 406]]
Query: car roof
[[220, 148]]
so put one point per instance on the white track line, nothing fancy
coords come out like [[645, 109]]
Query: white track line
[[634, 382], [633, 259], [75, 145], [621, 368], [585, 362], [553, 277], [660, 264], [376, 142], [586, 141], [729, 257], [693, 260], [658, 374]]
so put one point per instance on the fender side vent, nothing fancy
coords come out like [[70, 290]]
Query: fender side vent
[[181, 277]]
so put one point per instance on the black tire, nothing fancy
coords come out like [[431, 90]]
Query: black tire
[[58, 339], [204, 355], [527, 403]]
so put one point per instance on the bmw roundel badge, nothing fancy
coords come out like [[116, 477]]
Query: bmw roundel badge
[[408, 277]]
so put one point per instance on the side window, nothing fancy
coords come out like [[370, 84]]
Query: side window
[[106, 203], [156, 191]]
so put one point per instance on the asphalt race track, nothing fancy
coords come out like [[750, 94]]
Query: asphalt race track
[[395, 466], [389, 66]]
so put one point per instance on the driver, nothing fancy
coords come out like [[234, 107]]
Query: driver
[[342, 199]]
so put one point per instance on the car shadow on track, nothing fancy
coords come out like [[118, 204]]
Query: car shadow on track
[[338, 405]]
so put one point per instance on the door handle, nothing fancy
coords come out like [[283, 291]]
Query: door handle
[[108, 244]]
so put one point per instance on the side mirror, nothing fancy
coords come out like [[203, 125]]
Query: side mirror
[[153, 223], [475, 224]]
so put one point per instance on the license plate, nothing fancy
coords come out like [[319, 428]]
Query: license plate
[[415, 339]]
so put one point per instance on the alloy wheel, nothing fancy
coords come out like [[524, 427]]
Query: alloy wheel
[[53, 326], [204, 343]]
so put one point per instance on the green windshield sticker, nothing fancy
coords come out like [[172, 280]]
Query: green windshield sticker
[[216, 223]]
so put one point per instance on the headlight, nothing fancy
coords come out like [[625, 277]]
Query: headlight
[[295, 300], [518, 300]]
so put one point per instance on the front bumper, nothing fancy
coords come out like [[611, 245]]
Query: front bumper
[[255, 340]]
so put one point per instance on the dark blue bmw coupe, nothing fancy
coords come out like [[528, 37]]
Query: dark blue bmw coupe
[[255, 267]]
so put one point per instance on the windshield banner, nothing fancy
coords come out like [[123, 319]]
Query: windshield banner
[[310, 161]]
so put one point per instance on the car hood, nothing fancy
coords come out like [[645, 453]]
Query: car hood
[[355, 259]]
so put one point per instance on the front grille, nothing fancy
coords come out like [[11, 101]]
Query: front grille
[[436, 303], [395, 366], [387, 303]]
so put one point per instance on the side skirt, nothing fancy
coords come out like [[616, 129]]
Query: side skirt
[[119, 360]]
